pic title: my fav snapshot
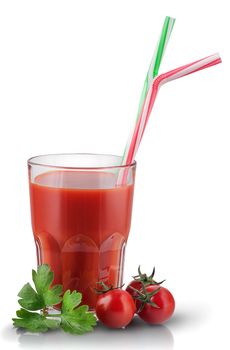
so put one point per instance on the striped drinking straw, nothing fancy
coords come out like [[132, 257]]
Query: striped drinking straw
[[150, 100], [152, 72]]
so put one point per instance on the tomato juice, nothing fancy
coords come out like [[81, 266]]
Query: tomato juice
[[81, 222]]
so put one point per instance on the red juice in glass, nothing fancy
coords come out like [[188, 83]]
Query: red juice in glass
[[81, 218]]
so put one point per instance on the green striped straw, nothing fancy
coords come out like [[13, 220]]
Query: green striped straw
[[153, 70], [157, 58]]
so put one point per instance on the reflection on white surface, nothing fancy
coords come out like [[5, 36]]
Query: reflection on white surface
[[189, 316], [138, 335]]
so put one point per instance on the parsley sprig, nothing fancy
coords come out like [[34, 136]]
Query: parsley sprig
[[72, 318]]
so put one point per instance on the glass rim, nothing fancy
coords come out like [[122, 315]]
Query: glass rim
[[32, 161]]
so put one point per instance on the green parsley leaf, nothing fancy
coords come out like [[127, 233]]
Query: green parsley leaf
[[73, 318], [70, 301], [43, 279], [76, 320], [30, 300], [34, 322], [75, 324], [53, 295]]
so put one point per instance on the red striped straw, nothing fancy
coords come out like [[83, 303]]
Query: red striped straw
[[150, 100]]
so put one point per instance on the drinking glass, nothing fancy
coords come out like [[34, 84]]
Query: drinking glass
[[81, 217]]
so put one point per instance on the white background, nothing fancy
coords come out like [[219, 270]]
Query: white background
[[71, 73]]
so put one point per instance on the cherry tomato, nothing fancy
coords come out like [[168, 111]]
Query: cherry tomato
[[136, 285], [163, 299], [140, 280], [115, 308]]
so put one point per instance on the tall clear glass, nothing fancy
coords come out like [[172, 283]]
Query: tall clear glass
[[81, 218]]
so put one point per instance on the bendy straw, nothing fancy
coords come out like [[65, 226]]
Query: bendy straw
[[153, 69], [158, 82], [157, 58], [150, 100]]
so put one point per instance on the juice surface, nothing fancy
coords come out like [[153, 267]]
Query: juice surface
[[81, 223]]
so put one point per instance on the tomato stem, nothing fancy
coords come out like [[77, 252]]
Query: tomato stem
[[144, 278], [105, 288], [153, 273], [145, 297]]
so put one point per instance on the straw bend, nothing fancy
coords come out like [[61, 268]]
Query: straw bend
[[151, 97], [158, 82], [152, 71]]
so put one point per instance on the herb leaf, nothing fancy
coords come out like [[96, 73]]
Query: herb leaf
[[30, 300], [70, 301], [53, 295], [76, 320], [75, 324], [43, 278], [73, 318], [34, 322]]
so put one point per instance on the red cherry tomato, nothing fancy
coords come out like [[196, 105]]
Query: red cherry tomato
[[136, 285], [140, 280], [165, 302], [115, 308]]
